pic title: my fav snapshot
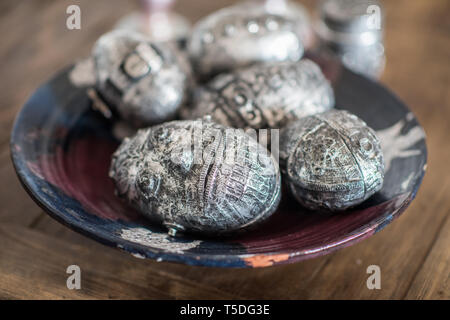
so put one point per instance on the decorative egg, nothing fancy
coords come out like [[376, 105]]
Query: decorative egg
[[331, 161], [143, 82], [197, 176], [233, 38], [263, 96], [290, 9]]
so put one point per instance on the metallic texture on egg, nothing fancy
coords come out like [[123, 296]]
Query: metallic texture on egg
[[331, 161], [197, 176], [290, 9], [233, 38], [142, 81], [264, 96]]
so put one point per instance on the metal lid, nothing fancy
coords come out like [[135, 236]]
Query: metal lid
[[352, 16]]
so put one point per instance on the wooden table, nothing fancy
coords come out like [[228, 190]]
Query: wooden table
[[413, 253]]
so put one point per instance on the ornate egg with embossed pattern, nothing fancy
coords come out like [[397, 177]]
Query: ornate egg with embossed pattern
[[144, 82], [287, 8], [264, 96], [331, 161], [232, 38], [197, 176]]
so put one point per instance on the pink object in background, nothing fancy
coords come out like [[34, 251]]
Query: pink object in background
[[158, 21]]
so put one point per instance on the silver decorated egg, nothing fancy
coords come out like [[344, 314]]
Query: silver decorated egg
[[290, 9], [264, 96], [232, 38], [197, 176], [331, 161], [142, 81]]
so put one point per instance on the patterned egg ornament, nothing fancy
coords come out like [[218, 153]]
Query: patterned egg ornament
[[197, 176], [264, 96], [142, 81], [290, 9], [331, 161], [232, 38]]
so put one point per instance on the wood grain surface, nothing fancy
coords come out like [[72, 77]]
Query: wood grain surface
[[413, 252]]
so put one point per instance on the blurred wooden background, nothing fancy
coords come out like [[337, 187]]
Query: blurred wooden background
[[413, 252]]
